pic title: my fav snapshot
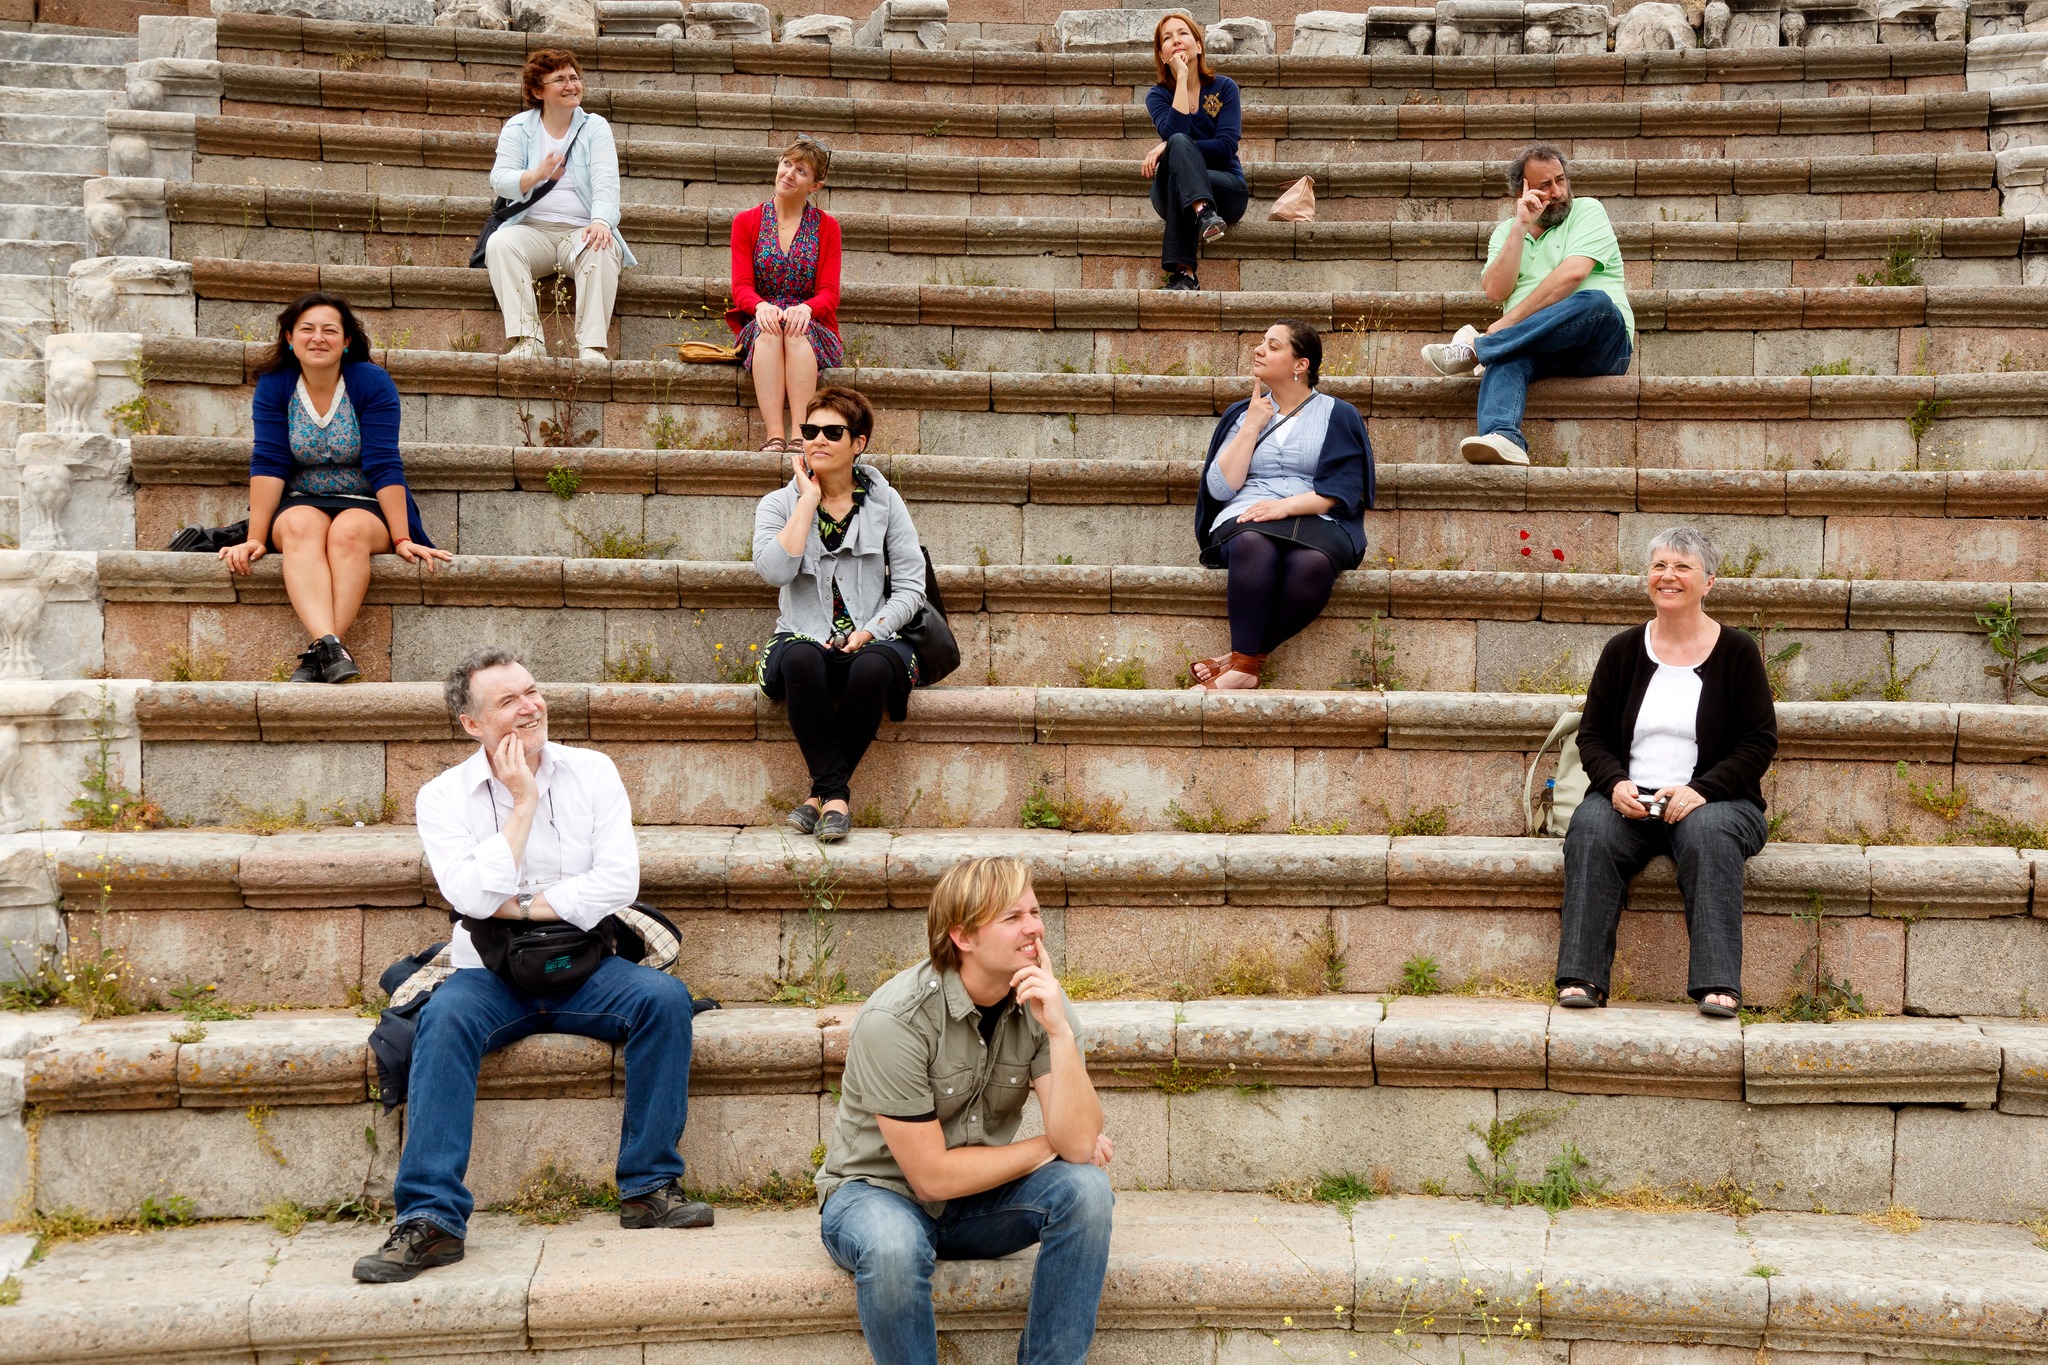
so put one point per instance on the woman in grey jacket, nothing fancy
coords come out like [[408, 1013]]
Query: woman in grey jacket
[[828, 540], [574, 228]]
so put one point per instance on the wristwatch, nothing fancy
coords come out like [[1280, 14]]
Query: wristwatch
[[525, 902]]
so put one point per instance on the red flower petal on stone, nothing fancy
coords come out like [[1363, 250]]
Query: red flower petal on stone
[[1558, 555], [1523, 534], [1525, 549]]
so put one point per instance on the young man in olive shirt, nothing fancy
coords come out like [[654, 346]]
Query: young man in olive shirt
[[1556, 268], [921, 1165]]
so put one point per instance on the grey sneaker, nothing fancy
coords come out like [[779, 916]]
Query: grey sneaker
[[1455, 356], [667, 1207], [1494, 449], [413, 1246]]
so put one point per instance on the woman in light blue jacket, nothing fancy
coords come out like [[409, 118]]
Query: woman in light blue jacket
[[572, 230]]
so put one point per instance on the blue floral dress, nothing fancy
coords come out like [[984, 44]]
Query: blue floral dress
[[787, 280], [327, 458]]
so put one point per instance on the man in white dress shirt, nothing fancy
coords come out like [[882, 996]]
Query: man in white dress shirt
[[530, 832]]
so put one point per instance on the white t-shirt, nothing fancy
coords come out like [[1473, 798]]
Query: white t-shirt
[[560, 204], [1666, 749]]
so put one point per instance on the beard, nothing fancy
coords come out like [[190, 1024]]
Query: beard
[[1554, 213]]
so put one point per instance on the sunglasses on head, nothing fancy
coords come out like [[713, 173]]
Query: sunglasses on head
[[831, 431]]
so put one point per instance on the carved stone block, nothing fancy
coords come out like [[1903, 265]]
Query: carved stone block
[[913, 25], [83, 373], [727, 21], [1334, 33], [1570, 29], [1396, 31], [47, 746], [831, 29], [1115, 30], [1922, 21], [126, 216], [1741, 23], [50, 619], [145, 294], [1479, 28], [1829, 23], [74, 491], [1654, 27], [150, 144], [179, 37], [175, 85], [1240, 38]]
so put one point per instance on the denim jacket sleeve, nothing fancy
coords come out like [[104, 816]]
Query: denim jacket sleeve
[[510, 162]]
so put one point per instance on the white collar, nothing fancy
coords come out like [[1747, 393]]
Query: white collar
[[476, 769]]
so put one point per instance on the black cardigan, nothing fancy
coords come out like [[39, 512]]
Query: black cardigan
[[1737, 727]]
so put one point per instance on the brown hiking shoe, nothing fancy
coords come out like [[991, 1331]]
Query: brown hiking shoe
[[413, 1246], [667, 1207]]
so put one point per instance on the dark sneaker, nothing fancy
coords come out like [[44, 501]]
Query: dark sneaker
[[309, 665], [1182, 280], [1212, 226], [833, 826], [804, 819], [336, 664], [667, 1207], [413, 1246]]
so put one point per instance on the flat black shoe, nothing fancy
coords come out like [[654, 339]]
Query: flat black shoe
[[1182, 280], [1593, 999], [337, 665], [833, 826], [804, 819], [413, 1246], [1211, 225], [667, 1207], [1718, 1011], [309, 665]]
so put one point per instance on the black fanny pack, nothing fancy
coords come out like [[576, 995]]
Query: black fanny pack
[[542, 959]]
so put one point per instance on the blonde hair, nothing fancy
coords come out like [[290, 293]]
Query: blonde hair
[[970, 894]]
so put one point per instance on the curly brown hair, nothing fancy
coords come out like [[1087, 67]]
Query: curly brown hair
[[541, 64]]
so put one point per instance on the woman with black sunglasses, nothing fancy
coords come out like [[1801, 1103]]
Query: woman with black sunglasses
[[836, 661]]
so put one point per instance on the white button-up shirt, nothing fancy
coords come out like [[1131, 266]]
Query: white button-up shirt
[[581, 850]]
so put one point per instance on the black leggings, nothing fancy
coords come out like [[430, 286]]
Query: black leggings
[[1276, 588], [834, 739]]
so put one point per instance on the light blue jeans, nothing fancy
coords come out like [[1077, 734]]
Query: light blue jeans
[[473, 1013], [891, 1245], [1576, 337]]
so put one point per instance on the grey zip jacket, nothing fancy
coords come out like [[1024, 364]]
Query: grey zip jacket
[[806, 582]]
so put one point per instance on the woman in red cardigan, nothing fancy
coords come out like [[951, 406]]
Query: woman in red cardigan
[[785, 291]]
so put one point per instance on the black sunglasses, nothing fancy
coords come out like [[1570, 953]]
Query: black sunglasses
[[831, 431]]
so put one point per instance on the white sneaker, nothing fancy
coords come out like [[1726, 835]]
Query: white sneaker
[[1492, 450], [592, 353], [527, 348], [1455, 356]]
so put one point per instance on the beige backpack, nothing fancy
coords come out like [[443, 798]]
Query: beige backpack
[[1549, 812]]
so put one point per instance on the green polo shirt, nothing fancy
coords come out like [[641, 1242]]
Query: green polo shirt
[[916, 1049], [1585, 231]]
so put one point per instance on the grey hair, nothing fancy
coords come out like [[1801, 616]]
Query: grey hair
[[1538, 151], [456, 691], [1689, 541]]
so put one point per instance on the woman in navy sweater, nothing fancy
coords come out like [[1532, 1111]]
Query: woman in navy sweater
[[1198, 187], [326, 488]]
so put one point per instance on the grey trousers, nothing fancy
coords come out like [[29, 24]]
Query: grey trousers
[[1604, 848]]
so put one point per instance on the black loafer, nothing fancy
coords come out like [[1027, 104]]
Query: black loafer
[[833, 826], [1211, 225], [804, 819], [413, 1246], [1182, 280], [667, 1207]]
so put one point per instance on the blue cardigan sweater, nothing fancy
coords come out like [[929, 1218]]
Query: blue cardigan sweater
[[1215, 133], [1343, 473], [375, 399]]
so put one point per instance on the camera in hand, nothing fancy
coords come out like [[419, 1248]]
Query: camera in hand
[[1654, 804]]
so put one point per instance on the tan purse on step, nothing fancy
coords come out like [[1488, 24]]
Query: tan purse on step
[[1297, 203]]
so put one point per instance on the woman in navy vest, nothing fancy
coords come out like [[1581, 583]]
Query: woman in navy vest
[[326, 487], [1198, 186]]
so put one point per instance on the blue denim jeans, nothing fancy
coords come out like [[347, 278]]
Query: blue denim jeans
[[1576, 337], [1182, 178], [473, 1013], [891, 1244]]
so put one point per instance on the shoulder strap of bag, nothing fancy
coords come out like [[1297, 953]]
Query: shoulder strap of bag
[[540, 191], [1569, 721]]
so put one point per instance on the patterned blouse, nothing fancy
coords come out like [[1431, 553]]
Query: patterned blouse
[[327, 450], [786, 280]]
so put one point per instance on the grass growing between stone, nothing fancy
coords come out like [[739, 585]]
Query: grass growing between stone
[[772, 1191], [1564, 1182], [1895, 1218], [550, 1194], [1099, 985], [1217, 821], [812, 976], [1343, 1190], [1725, 1195]]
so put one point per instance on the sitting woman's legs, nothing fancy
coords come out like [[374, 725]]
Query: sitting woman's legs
[[807, 697], [597, 288], [1602, 850], [1307, 578], [352, 538], [800, 377], [1180, 181], [767, 361], [1710, 847], [516, 256], [1253, 562], [869, 676], [301, 534]]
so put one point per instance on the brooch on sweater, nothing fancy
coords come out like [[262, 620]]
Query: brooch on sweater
[[1212, 105]]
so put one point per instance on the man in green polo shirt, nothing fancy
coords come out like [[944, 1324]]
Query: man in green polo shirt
[[923, 1164], [1557, 269]]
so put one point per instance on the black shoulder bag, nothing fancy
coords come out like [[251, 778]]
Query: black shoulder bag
[[503, 209], [930, 637]]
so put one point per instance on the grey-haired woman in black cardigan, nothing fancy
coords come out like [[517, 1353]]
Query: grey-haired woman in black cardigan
[[1678, 729]]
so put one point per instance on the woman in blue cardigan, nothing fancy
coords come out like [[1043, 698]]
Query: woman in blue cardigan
[[1281, 504], [326, 488], [1198, 186]]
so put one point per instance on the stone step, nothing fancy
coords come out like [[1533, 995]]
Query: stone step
[[53, 101], [64, 157], [992, 76], [398, 160], [1963, 421], [1754, 127], [82, 130], [1189, 1275], [21, 382], [43, 190], [21, 338], [71, 49], [59, 75], [53, 222], [309, 917], [1804, 1111], [1112, 331], [41, 294], [30, 256]]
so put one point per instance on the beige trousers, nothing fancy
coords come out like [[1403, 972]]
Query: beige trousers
[[520, 253]]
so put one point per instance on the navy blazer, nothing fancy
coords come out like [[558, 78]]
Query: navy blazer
[[1343, 473], [375, 399]]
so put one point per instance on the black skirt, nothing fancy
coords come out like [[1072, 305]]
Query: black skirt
[[332, 504], [1311, 533]]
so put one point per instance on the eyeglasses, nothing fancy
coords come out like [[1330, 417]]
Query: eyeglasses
[[831, 431], [563, 78]]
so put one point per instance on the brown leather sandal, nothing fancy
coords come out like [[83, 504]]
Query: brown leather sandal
[[1254, 664], [1206, 671]]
